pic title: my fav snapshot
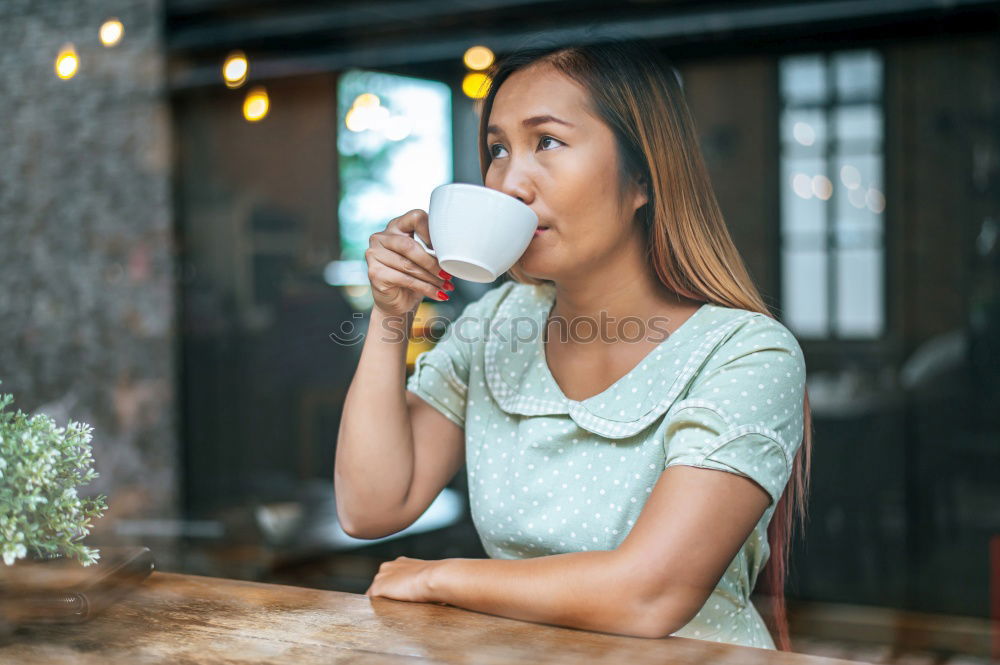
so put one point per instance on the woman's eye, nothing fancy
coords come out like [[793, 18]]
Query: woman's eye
[[540, 142], [548, 138]]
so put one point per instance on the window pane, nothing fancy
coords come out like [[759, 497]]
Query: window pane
[[859, 292], [803, 79], [858, 75], [801, 210], [859, 125], [804, 292], [395, 147], [842, 192]]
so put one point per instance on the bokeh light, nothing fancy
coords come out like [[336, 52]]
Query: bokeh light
[[850, 176], [67, 62], [875, 200], [856, 197], [111, 32], [235, 69], [367, 99], [256, 104], [478, 58], [822, 187], [802, 185], [476, 85], [360, 118], [804, 133]]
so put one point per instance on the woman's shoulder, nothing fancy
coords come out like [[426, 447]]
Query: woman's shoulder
[[749, 332]]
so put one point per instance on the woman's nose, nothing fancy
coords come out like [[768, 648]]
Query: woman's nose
[[516, 183]]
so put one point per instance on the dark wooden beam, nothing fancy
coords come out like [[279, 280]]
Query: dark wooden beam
[[704, 24]]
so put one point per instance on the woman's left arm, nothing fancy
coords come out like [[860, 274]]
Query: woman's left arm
[[690, 529], [586, 590]]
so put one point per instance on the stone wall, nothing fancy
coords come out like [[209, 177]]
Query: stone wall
[[86, 242]]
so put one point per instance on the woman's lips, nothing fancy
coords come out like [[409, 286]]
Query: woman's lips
[[540, 230]]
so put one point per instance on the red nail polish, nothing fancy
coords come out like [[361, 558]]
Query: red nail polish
[[448, 286], [442, 295], [443, 275]]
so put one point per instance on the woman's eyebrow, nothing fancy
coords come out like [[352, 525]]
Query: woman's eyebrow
[[532, 122]]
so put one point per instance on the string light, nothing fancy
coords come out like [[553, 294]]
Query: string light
[[256, 104], [366, 112], [478, 58], [476, 85], [67, 62], [235, 69], [112, 31], [367, 99]]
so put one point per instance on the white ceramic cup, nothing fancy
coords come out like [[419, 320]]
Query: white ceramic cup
[[478, 233]]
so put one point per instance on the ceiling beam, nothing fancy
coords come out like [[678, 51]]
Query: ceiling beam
[[225, 33], [691, 26]]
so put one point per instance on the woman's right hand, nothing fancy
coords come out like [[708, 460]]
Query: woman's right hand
[[400, 271]]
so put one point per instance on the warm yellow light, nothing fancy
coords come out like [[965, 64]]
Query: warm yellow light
[[256, 104], [476, 85], [360, 118], [355, 120], [367, 99], [478, 58], [67, 62], [111, 32], [235, 69]]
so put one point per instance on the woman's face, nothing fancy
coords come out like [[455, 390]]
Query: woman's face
[[567, 172]]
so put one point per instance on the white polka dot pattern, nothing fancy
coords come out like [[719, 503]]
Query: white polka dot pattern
[[630, 405], [743, 414], [548, 474]]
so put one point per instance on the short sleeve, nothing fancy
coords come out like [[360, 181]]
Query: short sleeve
[[744, 411], [441, 375]]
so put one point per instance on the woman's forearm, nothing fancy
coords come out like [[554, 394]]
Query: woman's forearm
[[586, 590], [374, 456]]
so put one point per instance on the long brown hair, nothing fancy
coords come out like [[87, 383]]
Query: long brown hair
[[634, 90]]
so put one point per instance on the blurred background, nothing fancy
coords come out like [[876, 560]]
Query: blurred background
[[187, 188]]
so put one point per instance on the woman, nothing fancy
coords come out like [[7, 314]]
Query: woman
[[631, 484]]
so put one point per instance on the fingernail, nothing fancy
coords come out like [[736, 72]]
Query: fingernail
[[442, 295], [443, 275], [448, 286]]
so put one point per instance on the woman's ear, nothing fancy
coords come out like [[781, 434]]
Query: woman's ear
[[641, 197]]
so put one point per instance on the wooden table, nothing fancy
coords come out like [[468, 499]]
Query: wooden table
[[189, 619]]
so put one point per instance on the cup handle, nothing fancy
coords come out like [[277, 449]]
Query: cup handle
[[421, 243]]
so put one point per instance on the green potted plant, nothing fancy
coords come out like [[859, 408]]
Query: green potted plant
[[41, 466]]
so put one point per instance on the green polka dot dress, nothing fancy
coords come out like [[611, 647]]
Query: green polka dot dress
[[549, 475]]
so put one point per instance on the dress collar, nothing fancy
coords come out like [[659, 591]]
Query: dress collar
[[519, 378]]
